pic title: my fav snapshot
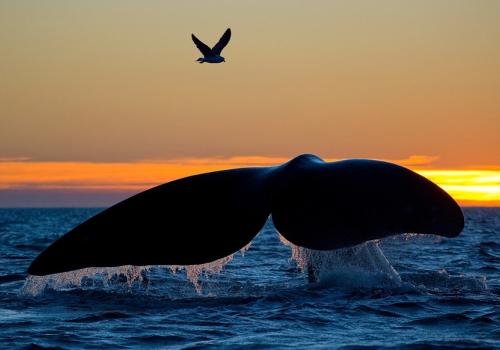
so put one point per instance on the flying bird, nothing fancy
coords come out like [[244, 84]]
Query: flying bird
[[212, 55]]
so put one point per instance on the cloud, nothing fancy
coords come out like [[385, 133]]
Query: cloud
[[416, 161], [14, 159], [412, 161]]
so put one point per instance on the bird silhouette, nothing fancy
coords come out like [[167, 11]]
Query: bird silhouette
[[212, 55]]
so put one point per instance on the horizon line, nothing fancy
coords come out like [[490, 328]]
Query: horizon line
[[110, 181]]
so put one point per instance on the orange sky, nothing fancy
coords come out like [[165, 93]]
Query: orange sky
[[98, 86], [467, 186]]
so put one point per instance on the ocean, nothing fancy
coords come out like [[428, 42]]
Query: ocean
[[403, 292]]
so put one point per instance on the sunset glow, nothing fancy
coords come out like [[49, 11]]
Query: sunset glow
[[467, 186], [106, 97]]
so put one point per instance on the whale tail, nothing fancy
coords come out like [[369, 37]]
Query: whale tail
[[190, 221], [202, 218]]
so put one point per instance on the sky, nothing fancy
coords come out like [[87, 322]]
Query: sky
[[102, 99]]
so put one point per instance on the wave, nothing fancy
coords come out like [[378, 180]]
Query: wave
[[364, 265], [360, 267]]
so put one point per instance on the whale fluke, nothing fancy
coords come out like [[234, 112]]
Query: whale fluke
[[190, 221], [202, 218], [334, 205]]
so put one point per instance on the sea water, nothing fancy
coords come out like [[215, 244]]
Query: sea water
[[407, 291]]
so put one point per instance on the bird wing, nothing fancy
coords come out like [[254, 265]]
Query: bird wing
[[205, 50], [224, 39]]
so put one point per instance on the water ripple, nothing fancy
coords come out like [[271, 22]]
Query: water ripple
[[431, 293]]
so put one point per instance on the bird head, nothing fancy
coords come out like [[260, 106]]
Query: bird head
[[223, 59]]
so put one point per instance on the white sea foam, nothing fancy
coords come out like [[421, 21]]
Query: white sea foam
[[35, 285], [127, 275], [195, 272], [441, 280], [364, 265]]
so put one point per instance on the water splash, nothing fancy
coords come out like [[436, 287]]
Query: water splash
[[127, 275], [91, 276], [245, 249], [364, 265], [195, 272]]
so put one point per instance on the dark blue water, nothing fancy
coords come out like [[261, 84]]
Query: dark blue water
[[445, 294]]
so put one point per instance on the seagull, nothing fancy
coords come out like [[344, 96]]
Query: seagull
[[212, 55]]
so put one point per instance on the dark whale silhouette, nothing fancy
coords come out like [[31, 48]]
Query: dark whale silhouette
[[202, 218]]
